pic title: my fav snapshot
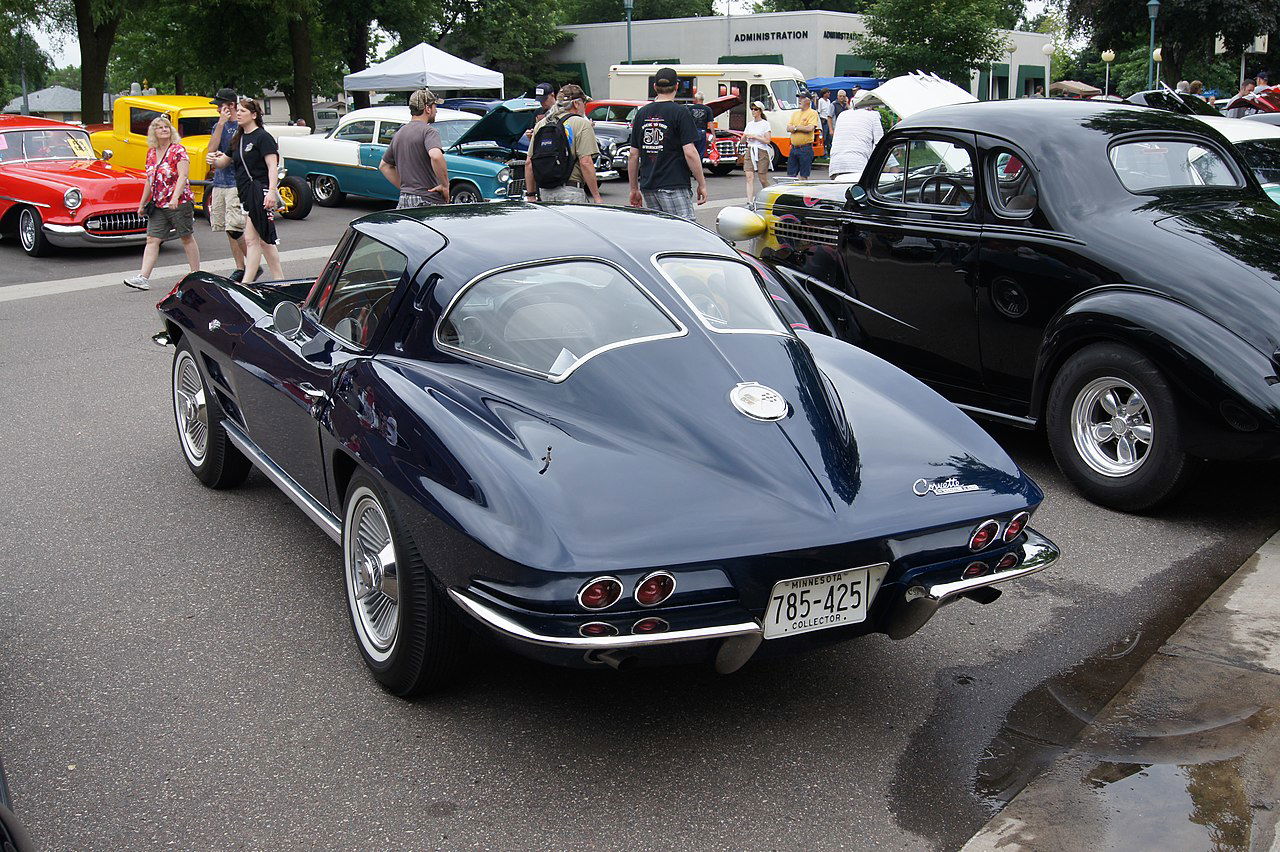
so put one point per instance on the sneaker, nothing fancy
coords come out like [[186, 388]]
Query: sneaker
[[237, 275], [137, 282]]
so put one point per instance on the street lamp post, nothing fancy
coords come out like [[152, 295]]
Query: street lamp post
[[1047, 50], [628, 5], [1153, 9], [1108, 56], [1157, 55]]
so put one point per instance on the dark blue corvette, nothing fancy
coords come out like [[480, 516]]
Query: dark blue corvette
[[595, 434]]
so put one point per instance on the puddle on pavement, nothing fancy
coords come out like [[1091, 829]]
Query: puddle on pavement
[[1171, 806]]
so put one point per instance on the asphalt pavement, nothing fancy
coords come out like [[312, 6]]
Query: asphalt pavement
[[177, 669]]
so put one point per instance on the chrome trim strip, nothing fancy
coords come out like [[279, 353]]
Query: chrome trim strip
[[20, 201], [1024, 422], [1038, 553], [501, 623], [851, 300], [310, 506]]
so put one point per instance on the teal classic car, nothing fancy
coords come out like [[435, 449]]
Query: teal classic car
[[345, 160]]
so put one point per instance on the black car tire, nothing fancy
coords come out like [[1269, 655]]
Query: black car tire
[[427, 645], [12, 834], [462, 192], [31, 233], [220, 465], [327, 191], [1164, 466], [299, 192]]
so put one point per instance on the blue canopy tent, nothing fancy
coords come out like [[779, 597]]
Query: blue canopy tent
[[817, 84]]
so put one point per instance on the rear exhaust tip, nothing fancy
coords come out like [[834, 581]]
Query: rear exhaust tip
[[613, 659], [983, 595]]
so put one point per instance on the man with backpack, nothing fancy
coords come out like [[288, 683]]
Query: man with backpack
[[561, 162], [663, 157]]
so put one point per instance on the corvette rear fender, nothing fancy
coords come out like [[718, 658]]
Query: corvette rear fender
[[1209, 364]]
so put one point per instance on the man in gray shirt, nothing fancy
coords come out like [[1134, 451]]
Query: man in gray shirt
[[414, 161]]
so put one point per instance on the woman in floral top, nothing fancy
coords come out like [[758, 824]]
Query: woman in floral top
[[168, 198]]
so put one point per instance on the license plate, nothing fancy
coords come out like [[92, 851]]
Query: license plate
[[822, 600]]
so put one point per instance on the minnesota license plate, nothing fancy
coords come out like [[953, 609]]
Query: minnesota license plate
[[821, 601]]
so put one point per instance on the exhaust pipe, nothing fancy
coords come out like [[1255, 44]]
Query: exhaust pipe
[[613, 659]]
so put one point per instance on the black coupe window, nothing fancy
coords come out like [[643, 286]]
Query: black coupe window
[[928, 172], [361, 294], [1015, 192], [1170, 164], [1263, 156], [550, 318]]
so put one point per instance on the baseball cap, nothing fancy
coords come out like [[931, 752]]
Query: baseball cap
[[422, 99], [225, 96], [805, 94], [665, 77], [542, 90], [571, 92], [757, 105]]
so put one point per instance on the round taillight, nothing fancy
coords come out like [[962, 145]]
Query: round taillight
[[984, 535], [1016, 526], [600, 593], [650, 625], [598, 628], [655, 588], [1007, 561], [975, 569]]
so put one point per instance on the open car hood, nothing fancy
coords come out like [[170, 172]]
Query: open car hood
[[501, 126], [913, 93]]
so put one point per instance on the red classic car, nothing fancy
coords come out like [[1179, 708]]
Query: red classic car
[[54, 191], [725, 148]]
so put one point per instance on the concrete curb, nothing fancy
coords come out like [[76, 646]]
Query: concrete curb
[[1187, 754]]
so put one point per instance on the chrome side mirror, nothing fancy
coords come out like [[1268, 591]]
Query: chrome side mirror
[[739, 223], [854, 196], [107, 154], [287, 318]]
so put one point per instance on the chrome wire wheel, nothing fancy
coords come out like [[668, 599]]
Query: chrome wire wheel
[[190, 408], [1112, 426], [372, 574], [27, 229]]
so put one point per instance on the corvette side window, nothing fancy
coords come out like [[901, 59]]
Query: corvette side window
[[361, 295], [550, 318], [356, 131], [726, 295]]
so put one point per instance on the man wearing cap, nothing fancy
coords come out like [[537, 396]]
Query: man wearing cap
[[802, 126], [221, 199], [545, 94], [701, 120], [571, 110], [663, 157], [414, 161]]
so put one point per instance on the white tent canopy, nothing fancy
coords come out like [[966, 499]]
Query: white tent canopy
[[420, 66]]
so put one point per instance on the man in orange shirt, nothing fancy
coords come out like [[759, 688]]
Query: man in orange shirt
[[802, 126]]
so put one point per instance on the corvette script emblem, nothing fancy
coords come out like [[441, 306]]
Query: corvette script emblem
[[950, 485]]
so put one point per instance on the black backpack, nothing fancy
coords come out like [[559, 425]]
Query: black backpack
[[549, 152]]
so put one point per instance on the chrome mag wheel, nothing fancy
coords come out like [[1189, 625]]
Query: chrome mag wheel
[[28, 229], [372, 574], [190, 407], [1112, 426]]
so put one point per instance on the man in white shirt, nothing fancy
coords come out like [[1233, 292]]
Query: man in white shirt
[[857, 131], [824, 114]]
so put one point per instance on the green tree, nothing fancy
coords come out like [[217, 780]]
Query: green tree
[[19, 51], [600, 11], [68, 77], [812, 5], [947, 37]]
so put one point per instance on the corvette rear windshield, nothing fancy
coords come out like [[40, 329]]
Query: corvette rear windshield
[[52, 144], [726, 295], [551, 318], [1170, 164]]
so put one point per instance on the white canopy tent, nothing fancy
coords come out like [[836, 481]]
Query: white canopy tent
[[420, 66]]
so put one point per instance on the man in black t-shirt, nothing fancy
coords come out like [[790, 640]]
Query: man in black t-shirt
[[663, 156], [701, 118]]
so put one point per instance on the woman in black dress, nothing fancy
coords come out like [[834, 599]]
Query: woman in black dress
[[256, 159]]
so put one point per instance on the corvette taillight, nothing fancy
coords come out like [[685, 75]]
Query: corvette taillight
[[974, 569], [598, 628], [600, 593], [1007, 561], [984, 535], [650, 625], [655, 588], [1016, 526]]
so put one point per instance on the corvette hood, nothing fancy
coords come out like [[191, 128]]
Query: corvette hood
[[913, 93], [98, 180], [639, 458], [503, 125]]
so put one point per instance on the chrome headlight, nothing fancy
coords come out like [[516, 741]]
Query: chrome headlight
[[72, 199], [504, 176]]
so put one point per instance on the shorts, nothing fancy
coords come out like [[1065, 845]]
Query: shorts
[[677, 202], [164, 220], [408, 200], [263, 221], [757, 160], [225, 212]]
